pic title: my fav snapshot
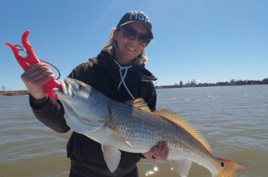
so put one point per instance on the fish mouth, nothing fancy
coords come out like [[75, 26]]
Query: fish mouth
[[67, 88], [70, 91]]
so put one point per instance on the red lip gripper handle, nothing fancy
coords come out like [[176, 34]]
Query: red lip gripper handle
[[31, 60]]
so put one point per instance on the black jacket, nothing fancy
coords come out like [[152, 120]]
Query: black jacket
[[103, 74]]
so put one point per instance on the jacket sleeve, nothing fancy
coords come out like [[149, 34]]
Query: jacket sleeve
[[50, 112]]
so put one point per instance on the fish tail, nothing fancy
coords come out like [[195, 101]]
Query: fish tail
[[230, 168]]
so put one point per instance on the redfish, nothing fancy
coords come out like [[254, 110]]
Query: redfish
[[132, 127]]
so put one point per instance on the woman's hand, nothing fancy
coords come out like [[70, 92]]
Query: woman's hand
[[158, 153], [35, 77]]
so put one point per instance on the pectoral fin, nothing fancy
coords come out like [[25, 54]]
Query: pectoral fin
[[111, 156], [182, 166], [115, 137]]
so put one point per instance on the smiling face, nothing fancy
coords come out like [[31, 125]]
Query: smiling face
[[129, 49]]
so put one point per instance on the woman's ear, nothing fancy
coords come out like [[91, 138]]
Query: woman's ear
[[115, 34]]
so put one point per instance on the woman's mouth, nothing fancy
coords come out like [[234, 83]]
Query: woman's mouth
[[129, 48]]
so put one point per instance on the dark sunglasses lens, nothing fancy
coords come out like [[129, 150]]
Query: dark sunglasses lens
[[144, 40], [130, 34]]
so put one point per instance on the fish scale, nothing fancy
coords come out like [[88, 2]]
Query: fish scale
[[150, 130], [180, 143]]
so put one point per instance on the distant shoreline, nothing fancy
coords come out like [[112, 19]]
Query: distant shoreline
[[231, 83], [202, 85], [26, 92], [14, 93]]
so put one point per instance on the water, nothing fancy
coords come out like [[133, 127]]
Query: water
[[233, 120]]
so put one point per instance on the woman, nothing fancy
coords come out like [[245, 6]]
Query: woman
[[119, 73]]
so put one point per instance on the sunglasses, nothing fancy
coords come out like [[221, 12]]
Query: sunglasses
[[131, 34]]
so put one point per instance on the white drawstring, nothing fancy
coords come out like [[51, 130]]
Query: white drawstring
[[123, 77]]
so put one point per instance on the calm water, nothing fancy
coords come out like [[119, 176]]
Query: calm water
[[234, 120]]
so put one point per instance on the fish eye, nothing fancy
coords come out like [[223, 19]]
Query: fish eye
[[81, 86], [222, 164]]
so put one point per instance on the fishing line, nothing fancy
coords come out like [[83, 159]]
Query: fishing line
[[23, 49]]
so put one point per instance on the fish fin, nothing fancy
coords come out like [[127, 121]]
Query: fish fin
[[117, 137], [138, 103], [182, 166], [187, 126], [111, 156], [230, 168]]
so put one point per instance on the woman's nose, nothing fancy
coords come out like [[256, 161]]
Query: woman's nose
[[135, 41]]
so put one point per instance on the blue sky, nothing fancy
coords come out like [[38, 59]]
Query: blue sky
[[207, 40]]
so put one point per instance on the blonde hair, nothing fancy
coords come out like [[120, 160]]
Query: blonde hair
[[111, 47]]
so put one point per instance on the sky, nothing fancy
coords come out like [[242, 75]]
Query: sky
[[206, 40]]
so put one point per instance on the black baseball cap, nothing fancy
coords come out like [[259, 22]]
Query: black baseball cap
[[136, 16]]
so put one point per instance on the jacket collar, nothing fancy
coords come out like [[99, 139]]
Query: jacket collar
[[106, 61]]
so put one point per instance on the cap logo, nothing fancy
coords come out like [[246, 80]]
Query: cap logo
[[139, 16]]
